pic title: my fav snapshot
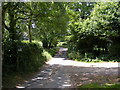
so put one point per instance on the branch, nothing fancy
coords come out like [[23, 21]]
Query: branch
[[5, 25]]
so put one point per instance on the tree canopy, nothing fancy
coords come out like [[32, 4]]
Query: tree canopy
[[88, 27]]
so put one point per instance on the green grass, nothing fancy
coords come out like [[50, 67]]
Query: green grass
[[94, 85], [46, 54], [88, 60], [97, 60]]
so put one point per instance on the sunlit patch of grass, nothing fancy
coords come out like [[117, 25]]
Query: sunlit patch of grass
[[95, 85], [88, 60], [47, 55]]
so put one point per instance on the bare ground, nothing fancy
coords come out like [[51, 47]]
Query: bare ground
[[59, 72]]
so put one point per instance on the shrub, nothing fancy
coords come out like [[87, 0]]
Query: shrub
[[28, 56], [46, 54], [115, 50], [74, 55], [52, 51]]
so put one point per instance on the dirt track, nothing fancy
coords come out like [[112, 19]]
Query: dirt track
[[62, 73]]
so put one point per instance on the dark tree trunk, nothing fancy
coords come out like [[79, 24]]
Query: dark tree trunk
[[29, 30]]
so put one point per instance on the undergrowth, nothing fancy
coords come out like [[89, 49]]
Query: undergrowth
[[88, 57]]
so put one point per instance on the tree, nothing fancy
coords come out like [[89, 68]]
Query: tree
[[78, 12], [51, 25], [101, 26]]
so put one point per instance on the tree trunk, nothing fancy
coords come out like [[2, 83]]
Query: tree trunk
[[29, 30], [29, 33], [13, 36], [3, 17]]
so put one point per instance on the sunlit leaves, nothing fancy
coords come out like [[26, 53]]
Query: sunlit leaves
[[101, 18]]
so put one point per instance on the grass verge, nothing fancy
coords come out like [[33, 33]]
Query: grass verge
[[94, 85]]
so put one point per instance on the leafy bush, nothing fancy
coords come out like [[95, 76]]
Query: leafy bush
[[46, 54], [52, 51], [74, 55], [115, 50], [88, 57], [28, 56]]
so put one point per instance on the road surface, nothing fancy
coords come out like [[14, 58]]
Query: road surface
[[59, 72]]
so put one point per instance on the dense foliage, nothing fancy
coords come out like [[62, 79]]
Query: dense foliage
[[29, 57], [98, 34], [90, 31]]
